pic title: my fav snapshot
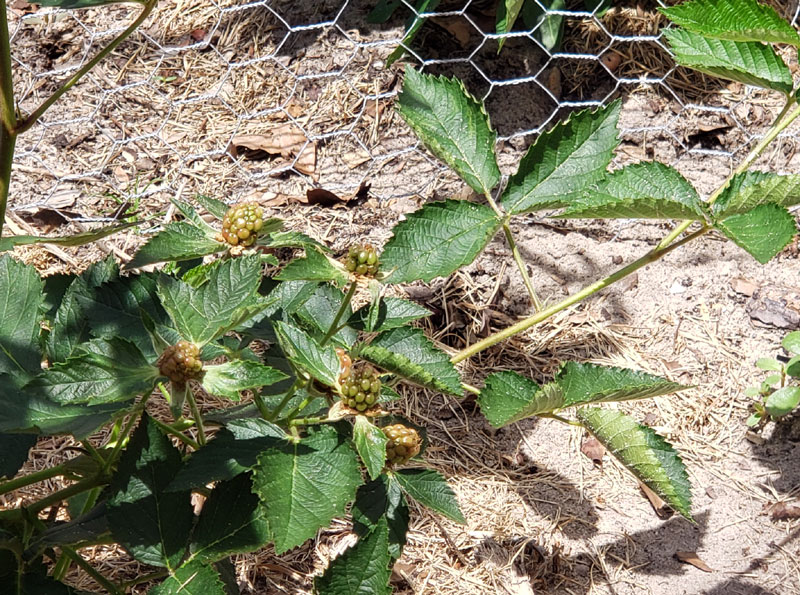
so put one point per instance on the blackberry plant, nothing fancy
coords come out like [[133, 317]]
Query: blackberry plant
[[241, 224], [287, 456]]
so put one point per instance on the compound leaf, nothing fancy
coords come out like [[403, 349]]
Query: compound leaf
[[437, 239], [762, 232], [564, 161], [194, 578], [430, 489], [362, 568], [151, 523], [303, 485], [230, 378], [407, 352], [21, 297], [232, 451], [750, 189], [644, 453], [101, 371], [176, 242], [382, 498], [453, 125], [734, 20], [224, 302], [748, 62], [649, 190], [391, 313], [232, 522], [370, 443], [301, 349]]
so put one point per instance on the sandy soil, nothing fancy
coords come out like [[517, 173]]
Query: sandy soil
[[156, 120]]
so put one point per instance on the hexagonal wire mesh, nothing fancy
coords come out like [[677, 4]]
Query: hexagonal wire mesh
[[165, 114]]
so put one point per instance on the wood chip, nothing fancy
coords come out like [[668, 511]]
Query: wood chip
[[693, 559], [743, 286]]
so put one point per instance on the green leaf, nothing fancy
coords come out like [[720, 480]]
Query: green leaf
[[370, 443], [232, 522], [28, 578], [391, 313], [228, 379], [224, 302], [303, 485], [301, 349], [289, 296], [362, 569], [23, 410], [783, 401], [437, 239], [734, 20], [430, 489], [564, 161], [78, 239], [193, 217], [381, 499], [413, 25], [212, 205], [407, 352], [232, 451], [383, 11], [21, 298], [769, 364], [287, 239], [507, 13], [648, 190], [153, 525], [14, 452], [315, 266], [791, 342], [644, 453], [753, 188], [762, 232], [319, 312], [453, 125], [176, 242], [102, 371], [509, 397], [748, 62], [194, 578], [551, 29]]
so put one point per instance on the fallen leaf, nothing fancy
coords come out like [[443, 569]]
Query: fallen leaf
[[592, 448], [322, 197], [693, 559], [198, 34], [286, 140], [662, 510], [743, 286], [781, 511]]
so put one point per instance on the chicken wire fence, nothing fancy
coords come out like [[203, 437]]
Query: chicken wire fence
[[266, 100]]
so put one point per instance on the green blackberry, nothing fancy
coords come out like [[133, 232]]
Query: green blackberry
[[242, 223], [361, 389], [181, 362], [362, 259], [404, 443]]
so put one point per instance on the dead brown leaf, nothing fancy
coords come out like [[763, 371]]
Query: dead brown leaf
[[780, 511], [743, 286], [662, 510], [693, 559], [287, 141], [323, 198], [592, 448]]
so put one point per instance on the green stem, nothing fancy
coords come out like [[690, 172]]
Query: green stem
[[145, 578], [77, 488], [303, 404], [91, 571], [26, 480], [342, 309], [563, 420], [272, 416], [175, 432], [587, 291], [7, 142], [37, 113], [261, 406], [61, 568], [93, 452], [8, 118], [123, 435], [472, 389], [201, 431], [307, 421]]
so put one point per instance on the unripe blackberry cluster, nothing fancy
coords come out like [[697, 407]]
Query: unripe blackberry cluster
[[360, 388], [181, 362], [242, 223], [362, 259], [404, 443]]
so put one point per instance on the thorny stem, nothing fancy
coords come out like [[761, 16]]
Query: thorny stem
[[523, 270], [201, 431], [342, 309], [525, 324], [37, 113], [71, 554]]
